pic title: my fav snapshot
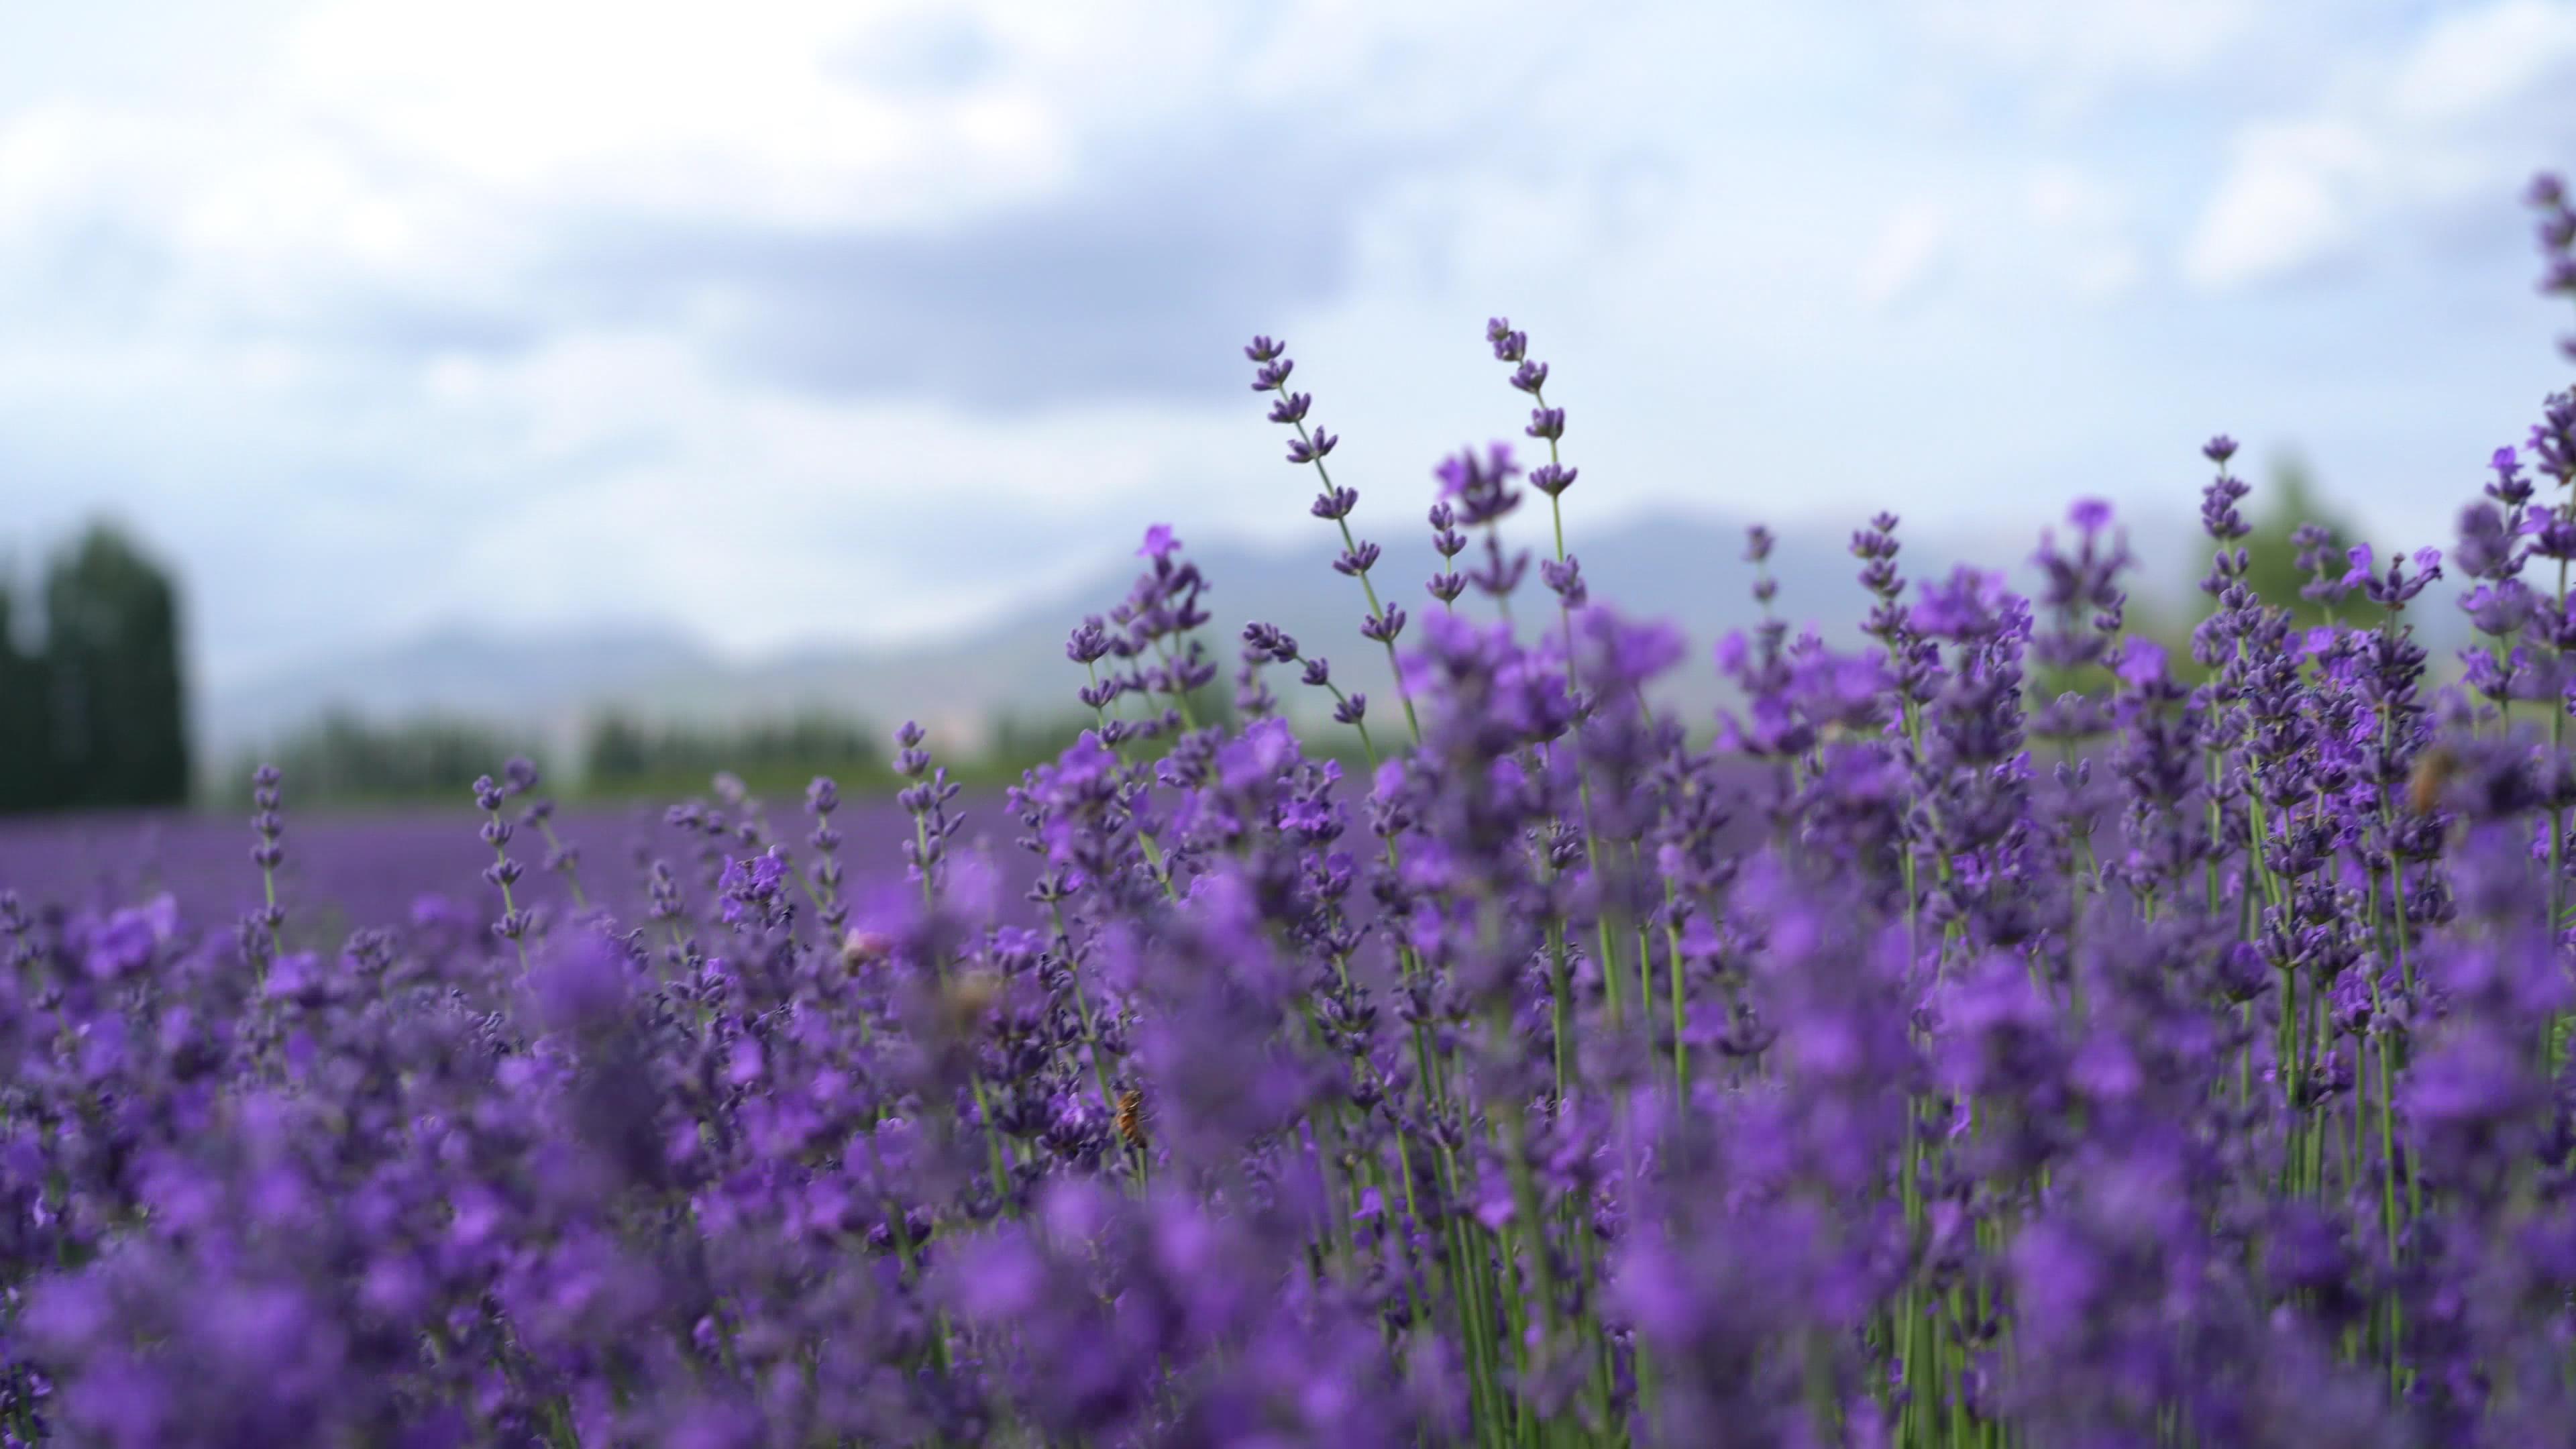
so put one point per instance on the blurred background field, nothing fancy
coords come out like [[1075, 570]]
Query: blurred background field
[[420, 864]]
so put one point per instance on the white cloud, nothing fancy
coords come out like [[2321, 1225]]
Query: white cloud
[[2076, 54], [767, 519], [2443, 120], [2469, 64], [385, 140], [2294, 195], [1906, 258], [664, 106], [2085, 229]]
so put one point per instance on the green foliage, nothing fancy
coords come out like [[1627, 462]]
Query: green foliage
[[2272, 560], [343, 759], [27, 779], [2273, 567], [98, 716], [620, 754], [1017, 742]]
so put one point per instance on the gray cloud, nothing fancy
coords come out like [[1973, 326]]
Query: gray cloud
[[1142, 285]]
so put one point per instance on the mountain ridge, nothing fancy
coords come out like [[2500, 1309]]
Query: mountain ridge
[[1671, 563]]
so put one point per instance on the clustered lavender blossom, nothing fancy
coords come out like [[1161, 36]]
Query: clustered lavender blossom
[[1864, 1076]]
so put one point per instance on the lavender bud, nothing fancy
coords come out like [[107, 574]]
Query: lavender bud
[[1384, 627], [1301, 450], [1565, 580], [1334, 503], [1270, 642]]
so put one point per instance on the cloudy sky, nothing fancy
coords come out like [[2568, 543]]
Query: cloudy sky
[[792, 322]]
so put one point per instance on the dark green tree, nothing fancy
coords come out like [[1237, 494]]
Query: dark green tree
[[29, 779], [120, 717], [2276, 511], [617, 752], [341, 758], [2273, 555], [620, 751]]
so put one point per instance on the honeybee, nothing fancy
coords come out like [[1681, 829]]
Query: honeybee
[[2434, 769], [1131, 1117], [967, 999]]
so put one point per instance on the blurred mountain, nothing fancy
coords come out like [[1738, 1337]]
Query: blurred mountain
[[456, 671], [1688, 568]]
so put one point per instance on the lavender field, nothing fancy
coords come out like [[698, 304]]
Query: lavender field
[[2005, 1031], [394, 867]]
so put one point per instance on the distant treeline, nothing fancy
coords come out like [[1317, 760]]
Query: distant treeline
[[344, 759], [93, 709], [621, 753]]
